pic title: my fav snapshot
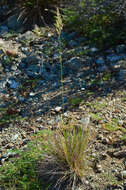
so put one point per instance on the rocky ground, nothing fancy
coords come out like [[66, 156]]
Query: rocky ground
[[94, 84]]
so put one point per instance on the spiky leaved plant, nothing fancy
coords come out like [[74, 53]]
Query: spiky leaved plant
[[37, 11]]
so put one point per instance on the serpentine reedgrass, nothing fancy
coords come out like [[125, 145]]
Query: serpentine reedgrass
[[59, 28]]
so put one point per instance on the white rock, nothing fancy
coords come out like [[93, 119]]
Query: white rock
[[50, 34], [86, 47], [15, 137], [83, 89], [123, 173], [13, 67], [120, 122], [94, 154], [32, 94], [1, 42], [85, 121], [99, 168], [24, 49], [66, 114], [93, 49], [58, 109]]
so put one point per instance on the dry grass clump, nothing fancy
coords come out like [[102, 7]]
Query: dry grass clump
[[68, 162]]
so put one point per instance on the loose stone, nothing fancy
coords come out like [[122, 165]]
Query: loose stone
[[123, 174]]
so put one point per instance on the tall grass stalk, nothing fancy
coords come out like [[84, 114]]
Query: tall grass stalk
[[59, 27], [69, 144]]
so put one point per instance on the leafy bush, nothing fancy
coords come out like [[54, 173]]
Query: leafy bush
[[102, 22]]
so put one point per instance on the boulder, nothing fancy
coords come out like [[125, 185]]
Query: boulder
[[14, 23]]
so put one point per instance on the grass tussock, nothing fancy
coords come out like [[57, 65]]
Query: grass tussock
[[68, 162]]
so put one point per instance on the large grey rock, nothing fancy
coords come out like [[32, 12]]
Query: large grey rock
[[122, 74], [32, 59], [113, 58], [29, 35], [14, 23], [103, 68], [115, 66], [73, 43], [93, 50], [123, 174], [13, 84], [33, 70], [120, 48], [122, 64], [74, 63]]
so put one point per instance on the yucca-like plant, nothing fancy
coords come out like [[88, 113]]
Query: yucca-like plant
[[37, 11]]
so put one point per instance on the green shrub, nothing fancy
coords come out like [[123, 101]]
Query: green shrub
[[20, 173], [102, 22]]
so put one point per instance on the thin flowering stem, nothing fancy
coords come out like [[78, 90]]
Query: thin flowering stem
[[59, 27]]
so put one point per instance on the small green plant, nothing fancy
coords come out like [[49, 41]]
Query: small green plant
[[8, 60], [96, 117], [123, 99], [112, 126], [98, 106], [106, 77], [111, 179], [75, 101], [20, 172], [123, 138]]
